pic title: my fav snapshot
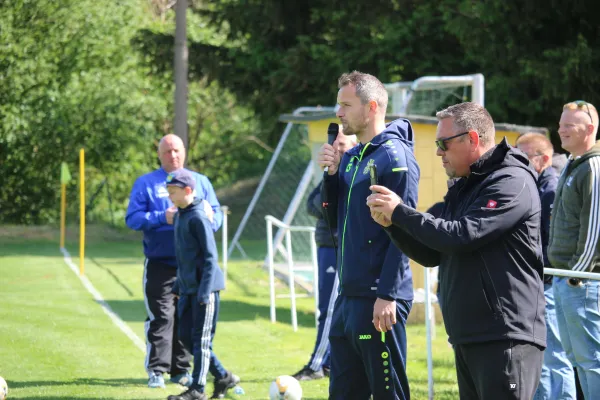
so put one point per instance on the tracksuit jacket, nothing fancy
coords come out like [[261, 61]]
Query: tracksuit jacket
[[488, 246], [196, 250], [146, 212], [368, 264], [575, 230]]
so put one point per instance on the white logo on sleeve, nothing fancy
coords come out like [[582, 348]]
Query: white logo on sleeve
[[161, 191]]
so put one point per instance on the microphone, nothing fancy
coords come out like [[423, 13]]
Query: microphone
[[332, 132]]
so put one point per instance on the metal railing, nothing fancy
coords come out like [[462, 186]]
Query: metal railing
[[287, 229]]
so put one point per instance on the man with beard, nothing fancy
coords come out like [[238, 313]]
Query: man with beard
[[368, 333]]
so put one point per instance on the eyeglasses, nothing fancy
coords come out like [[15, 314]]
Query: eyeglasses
[[441, 143], [579, 104]]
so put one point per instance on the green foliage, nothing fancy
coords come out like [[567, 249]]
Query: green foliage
[[70, 80], [98, 75], [282, 55], [535, 55]]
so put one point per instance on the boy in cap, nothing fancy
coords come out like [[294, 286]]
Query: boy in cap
[[199, 280]]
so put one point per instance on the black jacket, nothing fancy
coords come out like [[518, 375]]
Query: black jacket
[[547, 188], [488, 246], [323, 236]]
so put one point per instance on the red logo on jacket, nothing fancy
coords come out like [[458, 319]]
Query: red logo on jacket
[[491, 204]]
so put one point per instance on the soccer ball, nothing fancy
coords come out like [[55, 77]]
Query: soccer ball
[[285, 387], [3, 389]]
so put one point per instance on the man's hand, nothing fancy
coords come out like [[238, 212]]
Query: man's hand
[[384, 315], [208, 210], [380, 218], [169, 214], [384, 201], [329, 156]]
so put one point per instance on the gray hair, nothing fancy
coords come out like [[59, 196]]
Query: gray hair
[[368, 88], [471, 117]]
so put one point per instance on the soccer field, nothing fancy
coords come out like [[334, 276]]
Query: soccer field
[[57, 343]]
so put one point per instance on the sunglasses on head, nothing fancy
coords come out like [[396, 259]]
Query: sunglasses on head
[[580, 104], [441, 143]]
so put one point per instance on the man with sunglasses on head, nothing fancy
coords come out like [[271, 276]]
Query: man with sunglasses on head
[[487, 246], [575, 243]]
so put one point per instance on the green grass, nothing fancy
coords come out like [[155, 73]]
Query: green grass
[[57, 343]]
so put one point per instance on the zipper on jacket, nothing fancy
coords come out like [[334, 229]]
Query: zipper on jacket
[[348, 205]]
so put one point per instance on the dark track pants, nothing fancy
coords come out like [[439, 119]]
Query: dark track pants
[[499, 370], [197, 326], [365, 362], [327, 295], [164, 351]]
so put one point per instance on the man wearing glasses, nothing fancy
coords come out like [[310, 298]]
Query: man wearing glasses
[[487, 244], [574, 243]]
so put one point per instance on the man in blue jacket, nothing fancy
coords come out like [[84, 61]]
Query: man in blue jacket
[[327, 240], [368, 333], [151, 212], [487, 245]]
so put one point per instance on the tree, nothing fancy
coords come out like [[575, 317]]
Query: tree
[[278, 55]]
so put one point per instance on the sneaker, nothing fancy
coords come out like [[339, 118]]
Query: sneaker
[[190, 394], [222, 385], [156, 381], [307, 374], [184, 379], [326, 371]]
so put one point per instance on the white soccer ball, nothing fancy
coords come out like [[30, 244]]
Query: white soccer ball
[[285, 387], [3, 389]]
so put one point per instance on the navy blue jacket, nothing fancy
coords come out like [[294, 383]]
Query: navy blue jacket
[[487, 244], [547, 182], [146, 212], [314, 205], [369, 265], [196, 250]]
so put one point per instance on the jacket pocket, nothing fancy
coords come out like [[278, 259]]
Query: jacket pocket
[[489, 290]]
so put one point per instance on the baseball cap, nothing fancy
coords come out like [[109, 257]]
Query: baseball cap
[[181, 178]]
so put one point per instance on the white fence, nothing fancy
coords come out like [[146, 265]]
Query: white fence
[[291, 269]]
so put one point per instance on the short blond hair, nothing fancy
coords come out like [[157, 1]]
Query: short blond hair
[[587, 108], [540, 142]]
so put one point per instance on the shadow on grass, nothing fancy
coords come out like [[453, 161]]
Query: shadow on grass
[[235, 310], [30, 248], [231, 311], [243, 285], [65, 398], [141, 382], [112, 274]]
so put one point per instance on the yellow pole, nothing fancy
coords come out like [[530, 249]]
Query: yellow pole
[[81, 211], [63, 211]]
